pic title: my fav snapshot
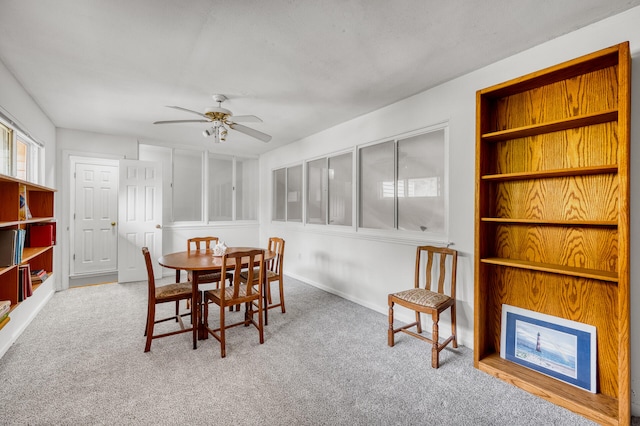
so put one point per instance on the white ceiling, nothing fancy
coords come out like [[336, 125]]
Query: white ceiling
[[111, 66]]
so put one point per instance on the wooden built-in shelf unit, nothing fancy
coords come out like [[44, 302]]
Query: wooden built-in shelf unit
[[552, 219], [40, 202]]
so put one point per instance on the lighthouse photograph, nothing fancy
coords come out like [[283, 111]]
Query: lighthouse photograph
[[548, 348]]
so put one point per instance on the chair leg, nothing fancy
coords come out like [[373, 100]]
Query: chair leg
[[146, 324], [435, 361], [261, 308], [390, 333], [418, 322], [281, 296], [151, 315], [205, 313], [454, 328], [223, 350], [269, 300]]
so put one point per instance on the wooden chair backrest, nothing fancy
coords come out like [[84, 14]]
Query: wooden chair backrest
[[255, 258], [277, 245], [150, 277], [430, 253], [198, 241]]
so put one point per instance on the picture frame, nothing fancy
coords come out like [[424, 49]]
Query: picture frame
[[554, 346]]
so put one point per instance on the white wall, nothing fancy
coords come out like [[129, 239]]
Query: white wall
[[365, 269]]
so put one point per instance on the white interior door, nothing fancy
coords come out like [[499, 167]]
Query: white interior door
[[140, 218], [95, 211]]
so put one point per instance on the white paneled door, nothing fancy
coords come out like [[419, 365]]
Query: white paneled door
[[140, 218], [95, 235]]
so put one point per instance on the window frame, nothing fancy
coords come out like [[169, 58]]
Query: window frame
[[34, 154], [392, 234], [166, 154], [395, 232]]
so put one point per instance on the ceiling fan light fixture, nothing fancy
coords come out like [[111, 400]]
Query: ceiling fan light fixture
[[222, 120]]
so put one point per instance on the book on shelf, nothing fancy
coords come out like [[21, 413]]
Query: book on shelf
[[42, 234], [38, 276], [4, 320], [24, 213], [8, 243], [5, 307], [25, 286], [20, 245]]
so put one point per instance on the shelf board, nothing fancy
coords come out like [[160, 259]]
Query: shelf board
[[505, 220], [595, 274], [574, 171], [24, 222], [552, 126], [30, 185], [599, 407], [29, 253]]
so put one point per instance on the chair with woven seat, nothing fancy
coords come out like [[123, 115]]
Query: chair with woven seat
[[431, 300], [238, 293], [167, 293], [208, 277], [274, 272]]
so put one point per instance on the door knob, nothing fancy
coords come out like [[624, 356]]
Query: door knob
[[113, 224], [158, 226]]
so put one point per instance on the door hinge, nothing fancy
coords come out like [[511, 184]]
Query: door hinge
[[74, 256]]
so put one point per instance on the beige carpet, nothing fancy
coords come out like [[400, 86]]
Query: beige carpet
[[324, 362]]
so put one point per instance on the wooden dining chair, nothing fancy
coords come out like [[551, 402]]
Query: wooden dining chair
[[431, 299], [238, 293], [204, 243], [208, 277], [167, 293], [274, 272]]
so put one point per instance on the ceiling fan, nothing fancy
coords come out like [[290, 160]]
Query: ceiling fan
[[219, 118]]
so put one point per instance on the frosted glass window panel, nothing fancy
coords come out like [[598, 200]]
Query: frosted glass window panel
[[246, 189], [163, 156], [421, 204], [6, 150], [317, 191], [35, 159], [220, 189], [22, 159], [187, 185], [279, 195], [27, 158], [377, 186], [294, 194], [341, 189]]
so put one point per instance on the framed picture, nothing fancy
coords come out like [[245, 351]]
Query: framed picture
[[560, 348]]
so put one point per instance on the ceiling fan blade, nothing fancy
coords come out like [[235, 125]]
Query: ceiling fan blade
[[251, 132], [245, 119], [187, 110], [181, 121]]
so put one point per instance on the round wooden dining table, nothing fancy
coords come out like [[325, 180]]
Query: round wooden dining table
[[201, 262]]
